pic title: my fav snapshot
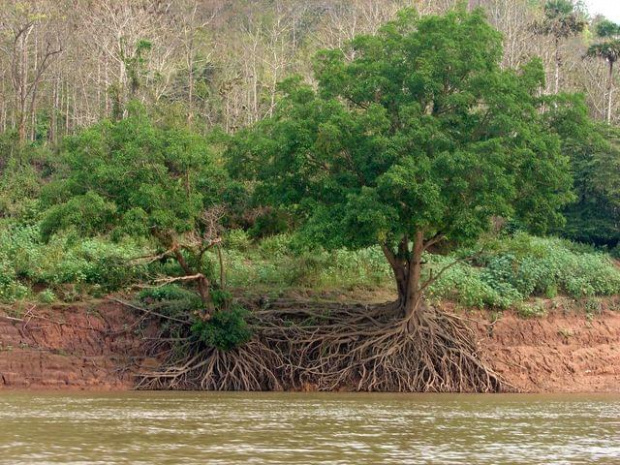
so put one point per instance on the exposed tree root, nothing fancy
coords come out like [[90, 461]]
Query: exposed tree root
[[247, 368], [337, 347]]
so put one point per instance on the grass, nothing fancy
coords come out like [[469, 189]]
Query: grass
[[67, 266], [506, 272]]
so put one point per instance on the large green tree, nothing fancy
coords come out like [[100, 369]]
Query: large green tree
[[416, 142]]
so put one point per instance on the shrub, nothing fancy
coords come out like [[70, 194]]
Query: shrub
[[67, 259], [276, 246], [226, 330], [238, 240], [46, 297], [531, 311]]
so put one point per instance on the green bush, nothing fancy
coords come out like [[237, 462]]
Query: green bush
[[467, 286], [171, 300], [10, 288], [46, 296], [531, 310], [541, 266], [166, 293], [226, 330], [238, 240], [25, 260], [275, 247], [514, 269]]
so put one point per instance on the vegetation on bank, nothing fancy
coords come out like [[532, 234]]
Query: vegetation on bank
[[497, 273], [416, 161]]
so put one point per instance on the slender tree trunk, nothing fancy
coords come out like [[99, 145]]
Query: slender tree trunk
[[204, 287], [23, 83], [610, 90], [407, 268], [558, 63]]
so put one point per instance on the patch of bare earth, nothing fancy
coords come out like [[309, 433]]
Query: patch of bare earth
[[83, 347], [556, 353]]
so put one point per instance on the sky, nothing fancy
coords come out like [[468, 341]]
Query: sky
[[608, 8]]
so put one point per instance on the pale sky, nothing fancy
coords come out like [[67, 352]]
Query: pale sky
[[608, 8]]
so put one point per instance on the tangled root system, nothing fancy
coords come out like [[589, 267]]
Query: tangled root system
[[328, 347]]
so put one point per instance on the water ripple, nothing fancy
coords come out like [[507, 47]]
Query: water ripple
[[224, 429]]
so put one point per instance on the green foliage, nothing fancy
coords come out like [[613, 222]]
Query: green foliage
[[135, 177], [595, 154], [606, 28], [98, 264], [543, 266], [470, 287], [171, 300], [514, 269], [531, 310], [10, 288], [276, 246], [23, 170], [510, 270], [168, 293], [281, 262], [238, 240], [226, 330], [89, 214], [47, 296], [422, 130], [562, 19]]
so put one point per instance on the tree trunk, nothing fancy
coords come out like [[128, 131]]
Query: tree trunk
[[415, 298], [558, 63], [203, 284], [407, 268], [610, 90]]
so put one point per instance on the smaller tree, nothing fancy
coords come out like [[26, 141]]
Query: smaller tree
[[133, 177], [608, 50], [594, 150], [562, 20]]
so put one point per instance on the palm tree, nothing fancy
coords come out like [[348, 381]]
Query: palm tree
[[562, 20], [609, 51]]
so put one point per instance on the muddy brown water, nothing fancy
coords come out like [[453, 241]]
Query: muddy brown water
[[296, 428]]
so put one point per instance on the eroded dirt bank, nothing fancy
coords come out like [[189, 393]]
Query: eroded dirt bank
[[99, 346], [556, 353], [91, 347]]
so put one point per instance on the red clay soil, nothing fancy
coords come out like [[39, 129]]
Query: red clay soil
[[97, 347], [70, 347], [555, 353]]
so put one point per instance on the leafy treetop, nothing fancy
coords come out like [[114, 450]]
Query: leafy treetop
[[420, 137], [421, 130], [135, 178]]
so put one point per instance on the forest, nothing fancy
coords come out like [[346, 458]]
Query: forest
[[257, 178]]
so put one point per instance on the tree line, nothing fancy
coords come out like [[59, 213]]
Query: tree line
[[216, 63]]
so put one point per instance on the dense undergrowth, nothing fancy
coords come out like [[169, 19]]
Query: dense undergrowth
[[499, 272]]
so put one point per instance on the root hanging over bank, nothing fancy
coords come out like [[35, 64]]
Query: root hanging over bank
[[327, 347], [247, 368]]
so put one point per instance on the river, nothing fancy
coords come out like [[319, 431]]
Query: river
[[296, 428]]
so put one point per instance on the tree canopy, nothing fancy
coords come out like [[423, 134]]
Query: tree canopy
[[133, 176], [421, 137], [136, 178]]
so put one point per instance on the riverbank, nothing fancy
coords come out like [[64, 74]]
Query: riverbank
[[100, 345], [91, 346]]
